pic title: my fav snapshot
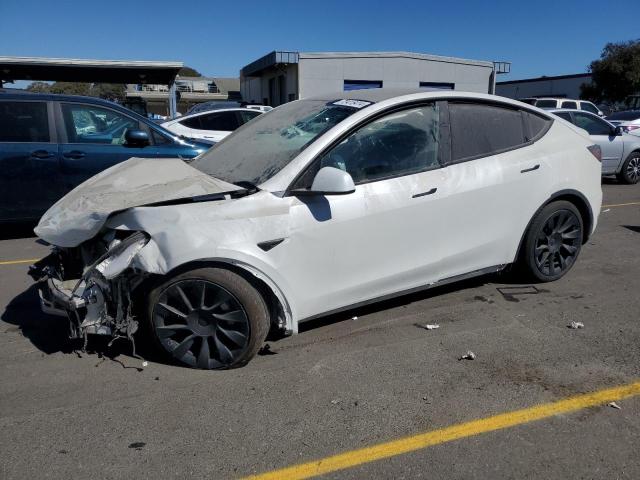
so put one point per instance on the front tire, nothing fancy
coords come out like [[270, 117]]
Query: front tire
[[208, 318], [553, 241], [630, 172]]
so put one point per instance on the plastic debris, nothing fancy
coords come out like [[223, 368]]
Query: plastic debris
[[431, 326], [575, 325], [145, 363], [468, 356], [335, 402], [614, 405], [607, 210], [354, 318]]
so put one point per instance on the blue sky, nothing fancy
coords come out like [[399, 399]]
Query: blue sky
[[218, 38]]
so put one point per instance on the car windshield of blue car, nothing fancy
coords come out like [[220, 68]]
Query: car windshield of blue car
[[265, 145]]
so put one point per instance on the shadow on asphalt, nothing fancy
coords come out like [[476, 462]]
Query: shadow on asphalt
[[49, 333], [633, 228], [12, 231]]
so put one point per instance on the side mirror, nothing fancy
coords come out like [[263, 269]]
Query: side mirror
[[136, 138], [617, 131], [329, 181]]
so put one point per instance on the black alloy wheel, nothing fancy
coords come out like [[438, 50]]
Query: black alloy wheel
[[553, 241], [209, 319]]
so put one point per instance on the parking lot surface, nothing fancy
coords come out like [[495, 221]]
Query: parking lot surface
[[354, 380]]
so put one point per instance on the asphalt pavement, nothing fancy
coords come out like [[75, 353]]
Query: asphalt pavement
[[346, 382]]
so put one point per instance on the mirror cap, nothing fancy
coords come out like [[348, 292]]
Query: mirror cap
[[136, 137], [332, 181]]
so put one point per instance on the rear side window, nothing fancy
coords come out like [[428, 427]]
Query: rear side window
[[589, 107], [24, 122], [479, 130], [224, 121], [570, 105], [546, 104], [191, 123], [537, 125]]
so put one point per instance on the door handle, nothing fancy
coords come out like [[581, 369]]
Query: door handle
[[42, 154], [75, 154], [432, 191], [535, 167]]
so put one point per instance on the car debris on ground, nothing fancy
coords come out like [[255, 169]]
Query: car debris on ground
[[468, 356], [614, 405], [575, 325]]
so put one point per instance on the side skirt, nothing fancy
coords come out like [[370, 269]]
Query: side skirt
[[439, 283]]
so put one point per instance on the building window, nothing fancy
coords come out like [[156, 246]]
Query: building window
[[437, 85], [361, 84]]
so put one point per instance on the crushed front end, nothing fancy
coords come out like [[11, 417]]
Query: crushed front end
[[93, 284]]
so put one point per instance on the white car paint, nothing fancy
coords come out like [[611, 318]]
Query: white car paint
[[550, 103], [385, 238], [180, 126]]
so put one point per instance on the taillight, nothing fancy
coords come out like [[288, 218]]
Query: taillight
[[596, 151]]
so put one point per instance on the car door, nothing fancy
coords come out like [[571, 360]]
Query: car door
[[29, 162], [492, 185], [385, 237], [93, 139], [603, 134]]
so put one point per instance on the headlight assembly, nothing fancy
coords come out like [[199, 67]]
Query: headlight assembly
[[120, 256]]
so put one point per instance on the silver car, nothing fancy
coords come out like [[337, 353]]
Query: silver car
[[620, 151]]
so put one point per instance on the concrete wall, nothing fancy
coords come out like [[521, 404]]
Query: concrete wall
[[256, 89], [551, 87], [327, 75]]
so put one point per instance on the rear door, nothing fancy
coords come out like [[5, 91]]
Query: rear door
[[601, 133], [493, 183], [29, 162], [92, 140]]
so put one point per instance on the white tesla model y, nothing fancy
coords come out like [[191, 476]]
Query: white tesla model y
[[319, 205]]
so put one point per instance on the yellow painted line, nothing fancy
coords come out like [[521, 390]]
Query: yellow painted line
[[17, 262], [621, 205], [455, 432]]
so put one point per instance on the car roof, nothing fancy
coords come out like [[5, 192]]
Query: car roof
[[53, 97]]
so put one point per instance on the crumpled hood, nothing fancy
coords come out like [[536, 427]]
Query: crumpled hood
[[80, 214]]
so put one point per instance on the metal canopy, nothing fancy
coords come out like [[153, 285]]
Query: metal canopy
[[90, 71]]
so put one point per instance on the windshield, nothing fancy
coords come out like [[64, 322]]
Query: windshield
[[261, 148]]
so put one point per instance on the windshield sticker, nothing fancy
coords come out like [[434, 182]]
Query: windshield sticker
[[352, 103]]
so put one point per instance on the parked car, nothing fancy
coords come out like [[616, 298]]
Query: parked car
[[629, 120], [217, 105], [568, 103], [316, 207], [211, 125], [620, 151], [49, 144]]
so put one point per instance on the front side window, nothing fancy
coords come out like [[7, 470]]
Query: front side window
[[401, 143], [245, 116], [546, 104], [481, 129], [24, 122], [593, 125], [589, 107], [569, 105], [93, 124]]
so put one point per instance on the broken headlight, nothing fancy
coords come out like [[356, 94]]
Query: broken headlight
[[120, 255]]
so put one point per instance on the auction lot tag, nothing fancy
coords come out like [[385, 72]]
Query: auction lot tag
[[352, 103]]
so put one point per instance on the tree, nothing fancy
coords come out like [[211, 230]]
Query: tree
[[189, 72], [108, 91], [616, 74]]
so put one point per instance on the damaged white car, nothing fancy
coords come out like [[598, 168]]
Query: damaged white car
[[318, 206]]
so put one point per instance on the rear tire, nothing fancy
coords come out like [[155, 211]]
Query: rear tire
[[553, 241], [208, 318], [630, 172]]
